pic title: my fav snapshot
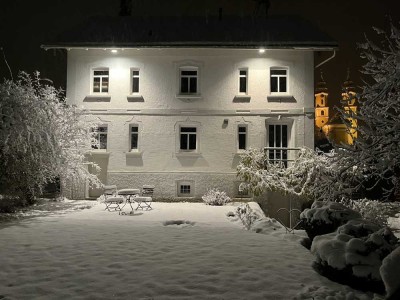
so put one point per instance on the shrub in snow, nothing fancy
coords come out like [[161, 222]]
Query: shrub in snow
[[372, 210], [390, 271], [247, 215], [216, 197], [41, 138], [325, 217], [266, 225], [354, 253]]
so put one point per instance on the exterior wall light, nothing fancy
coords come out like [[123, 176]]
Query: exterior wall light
[[114, 51], [261, 50]]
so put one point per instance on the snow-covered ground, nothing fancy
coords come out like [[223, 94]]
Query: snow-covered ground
[[96, 254]]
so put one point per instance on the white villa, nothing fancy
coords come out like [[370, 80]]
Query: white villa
[[179, 99]]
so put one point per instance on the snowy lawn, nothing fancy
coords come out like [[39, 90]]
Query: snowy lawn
[[96, 254]]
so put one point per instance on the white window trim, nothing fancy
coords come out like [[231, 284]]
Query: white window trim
[[92, 81], [291, 132], [108, 132], [139, 137], [247, 81], [138, 93], [178, 150], [189, 68], [287, 92], [237, 137]]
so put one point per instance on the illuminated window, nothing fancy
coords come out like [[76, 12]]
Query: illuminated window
[[135, 81], [188, 138], [279, 80], [242, 137], [100, 81], [243, 81], [100, 137], [188, 80]]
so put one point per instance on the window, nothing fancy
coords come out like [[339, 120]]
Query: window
[[101, 138], [242, 137], [188, 80], [279, 80], [322, 113], [242, 81], [134, 135], [278, 138], [135, 81], [185, 188], [188, 138], [100, 81]]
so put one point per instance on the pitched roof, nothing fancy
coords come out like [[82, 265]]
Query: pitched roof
[[228, 32]]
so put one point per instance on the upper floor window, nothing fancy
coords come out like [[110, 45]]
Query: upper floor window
[[188, 80], [135, 80], [279, 80], [101, 137], [242, 137], [134, 136], [243, 81], [100, 81], [188, 138]]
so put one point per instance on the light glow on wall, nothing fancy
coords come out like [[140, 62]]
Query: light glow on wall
[[114, 51], [261, 51]]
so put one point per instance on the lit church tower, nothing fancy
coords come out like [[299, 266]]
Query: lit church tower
[[349, 104], [321, 106]]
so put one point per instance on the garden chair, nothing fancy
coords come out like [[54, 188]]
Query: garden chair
[[145, 200], [111, 198]]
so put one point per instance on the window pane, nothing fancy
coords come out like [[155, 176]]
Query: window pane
[[271, 133], [135, 73], [274, 84], [134, 129], [278, 72], [135, 85], [242, 129], [192, 142], [102, 129], [185, 189], [103, 141], [101, 72], [96, 84], [282, 84], [243, 85], [184, 140], [134, 141], [188, 129], [284, 136], [278, 136], [243, 72], [184, 85], [242, 141], [193, 85], [189, 73]]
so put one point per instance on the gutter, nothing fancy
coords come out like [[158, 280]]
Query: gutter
[[326, 60]]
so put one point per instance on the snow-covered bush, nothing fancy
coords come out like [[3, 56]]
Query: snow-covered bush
[[216, 197], [246, 215], [371, 210], [41, 138], [325, 217], [266, 225], [390, 271], [354, 254]]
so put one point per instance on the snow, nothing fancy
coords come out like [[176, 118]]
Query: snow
[[175, 251], [390, 271], [329, 211]]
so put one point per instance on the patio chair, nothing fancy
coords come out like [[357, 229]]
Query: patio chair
[[145, 200], [111, 198]]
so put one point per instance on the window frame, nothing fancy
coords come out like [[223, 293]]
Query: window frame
[[132, 77], [279, 76], [290, 123], [181, 183], [188, 133], [137, 149], [238, 137], [189, 68], [93, 76], [246, 76], [98, 135]]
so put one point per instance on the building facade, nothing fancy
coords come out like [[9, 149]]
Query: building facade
[[178, 115]]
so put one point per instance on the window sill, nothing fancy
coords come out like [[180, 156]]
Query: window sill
[[99, 152], [187, 154], [188, 97], [97, 98], [281, 97], [134, 153], [135, 98], [242, 98]]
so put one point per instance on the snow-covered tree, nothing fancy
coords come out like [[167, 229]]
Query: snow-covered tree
[[41, 138], [375, 154], [311, 174]]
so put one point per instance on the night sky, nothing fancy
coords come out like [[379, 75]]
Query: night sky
[[25, 25]]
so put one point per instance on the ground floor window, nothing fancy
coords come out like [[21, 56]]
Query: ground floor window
[[278, 139], [101, 137], [185, 188]]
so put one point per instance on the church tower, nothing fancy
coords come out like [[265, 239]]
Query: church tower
[[321, 105], [349, 105]]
